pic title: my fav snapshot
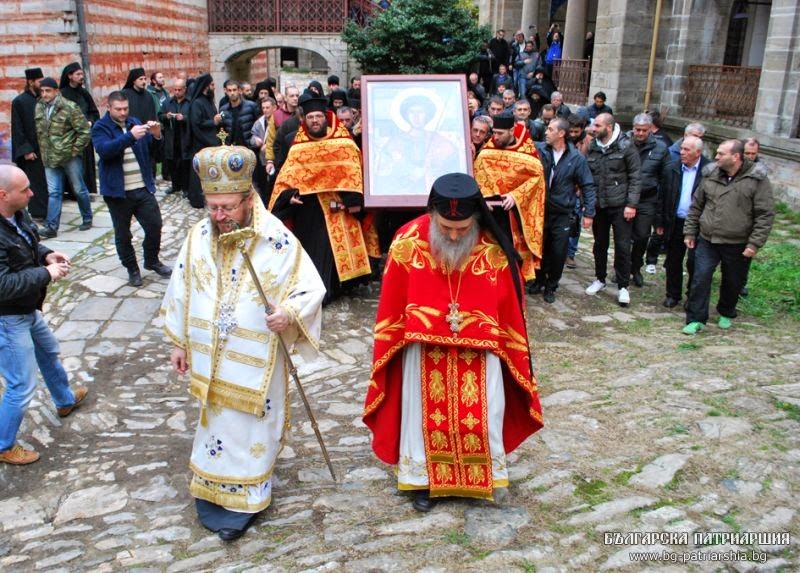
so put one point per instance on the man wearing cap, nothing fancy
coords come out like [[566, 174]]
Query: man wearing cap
[[63, 133], [320, 188], [127, 185], [451, 390], [26, 342], [226, 341], [72, 87], [510, 175], [25, 143]]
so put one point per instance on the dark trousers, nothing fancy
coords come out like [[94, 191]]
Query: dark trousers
[[642, 223], [676, 250], [604, 220], [654, 248], [734, 268], [139, 203], [179, 173], [554, 250]]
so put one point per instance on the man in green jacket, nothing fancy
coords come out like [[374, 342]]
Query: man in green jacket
[[729, 221], [63, 133]]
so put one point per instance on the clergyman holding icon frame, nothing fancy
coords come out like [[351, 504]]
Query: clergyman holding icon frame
[[417, 129]]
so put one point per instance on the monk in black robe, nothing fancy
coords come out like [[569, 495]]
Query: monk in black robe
[[25, 143]]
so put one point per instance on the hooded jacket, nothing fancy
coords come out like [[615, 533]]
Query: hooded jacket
[[615, 168], [739, 211]]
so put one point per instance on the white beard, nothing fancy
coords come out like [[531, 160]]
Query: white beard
[[452, 254]]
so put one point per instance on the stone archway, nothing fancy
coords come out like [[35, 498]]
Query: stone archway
[[227, 48]]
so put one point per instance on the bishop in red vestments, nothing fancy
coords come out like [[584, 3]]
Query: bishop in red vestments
[[451, 390]]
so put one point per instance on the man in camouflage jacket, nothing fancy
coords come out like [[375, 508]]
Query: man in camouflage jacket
[[63, 132]]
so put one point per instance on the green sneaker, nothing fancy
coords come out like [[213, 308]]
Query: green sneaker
[[693, 327], [724, 322]]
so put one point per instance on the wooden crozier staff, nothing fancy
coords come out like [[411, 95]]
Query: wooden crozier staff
[[238, 239]]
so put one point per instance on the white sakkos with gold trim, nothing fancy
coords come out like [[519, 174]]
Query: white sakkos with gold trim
[[212, 309]]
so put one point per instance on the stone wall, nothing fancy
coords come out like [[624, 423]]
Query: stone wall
[[161, 35]]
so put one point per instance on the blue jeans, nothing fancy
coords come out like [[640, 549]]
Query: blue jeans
[[55, 190], [25, 341]]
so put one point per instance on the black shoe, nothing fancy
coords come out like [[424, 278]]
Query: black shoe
[[134, 278], [637, 279], [160, 269], [423, 502], [170, 191], [48, 233], [549, 296], [744, 292], [670, 302], [227, 534], [535, 288], [85, 226]]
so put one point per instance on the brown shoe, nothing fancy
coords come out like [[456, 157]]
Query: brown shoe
[[570, 263], [80, 394], [19, 456]]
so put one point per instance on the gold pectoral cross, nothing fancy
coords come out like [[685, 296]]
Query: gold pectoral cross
[[222, 135], [454, 318]]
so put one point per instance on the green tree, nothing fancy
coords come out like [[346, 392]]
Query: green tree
[[417, 37]]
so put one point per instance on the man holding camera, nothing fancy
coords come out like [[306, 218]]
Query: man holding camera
[[127, 184]]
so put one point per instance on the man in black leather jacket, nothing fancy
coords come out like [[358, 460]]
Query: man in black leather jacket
[[26, 341], [566, 173]]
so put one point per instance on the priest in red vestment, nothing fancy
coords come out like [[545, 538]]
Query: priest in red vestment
[[451, 390]]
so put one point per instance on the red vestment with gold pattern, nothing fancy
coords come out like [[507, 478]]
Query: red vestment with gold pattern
[[325, 168], [416, 307], [518, 171]]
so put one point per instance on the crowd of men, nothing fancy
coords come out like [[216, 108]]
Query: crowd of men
[[281, 172]]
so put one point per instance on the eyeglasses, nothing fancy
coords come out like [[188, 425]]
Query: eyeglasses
[[225, 210]]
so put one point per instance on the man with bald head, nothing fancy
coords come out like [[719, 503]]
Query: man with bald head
[[26, 268], [681, 181], [615, 167], [177, 155]]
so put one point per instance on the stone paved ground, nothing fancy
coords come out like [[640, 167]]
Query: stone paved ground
[[646, 431]]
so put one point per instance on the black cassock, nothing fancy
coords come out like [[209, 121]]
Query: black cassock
[[24, 141], [84, 100]]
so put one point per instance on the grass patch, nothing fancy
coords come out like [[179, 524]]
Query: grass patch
[[624, 477], [792, 410], [456, 537], [729, 519], [786, 213], [774, 282], [657, 505], [527, 566], [592, 491], [674, 483], [678, 429], [688, 346], [719, 407]]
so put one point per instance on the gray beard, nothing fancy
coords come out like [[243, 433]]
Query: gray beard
[[452, 254]]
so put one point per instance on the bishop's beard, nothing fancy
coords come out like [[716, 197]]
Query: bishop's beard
[[452, 254]]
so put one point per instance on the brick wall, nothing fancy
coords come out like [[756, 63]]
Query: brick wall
[[160, 35]]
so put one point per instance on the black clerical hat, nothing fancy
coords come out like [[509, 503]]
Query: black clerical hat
[[314, 104], [504, 120], [455, 196], [33, 74]]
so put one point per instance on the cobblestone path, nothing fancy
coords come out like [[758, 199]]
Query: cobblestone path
[[647, 432]]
